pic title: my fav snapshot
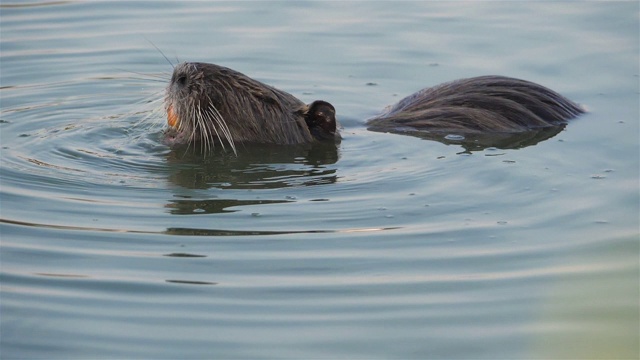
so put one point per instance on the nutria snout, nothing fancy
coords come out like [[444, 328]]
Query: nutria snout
[[212, 104]]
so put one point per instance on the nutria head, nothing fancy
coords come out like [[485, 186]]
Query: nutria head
[[211, 104]]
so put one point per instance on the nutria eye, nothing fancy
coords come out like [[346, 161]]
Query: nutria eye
[[182, 80]]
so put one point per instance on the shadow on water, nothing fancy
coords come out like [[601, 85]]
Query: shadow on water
[[480, 142], [255, 167]]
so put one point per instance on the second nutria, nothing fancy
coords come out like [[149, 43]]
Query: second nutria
[[212, 104]]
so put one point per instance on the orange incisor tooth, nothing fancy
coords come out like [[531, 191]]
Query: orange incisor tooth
[[172, 118]]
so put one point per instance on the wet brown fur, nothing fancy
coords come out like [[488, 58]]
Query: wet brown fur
[[478, 105], [236, 108]]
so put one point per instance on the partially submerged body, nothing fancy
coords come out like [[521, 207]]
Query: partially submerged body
[[479, 105], [210, 104]]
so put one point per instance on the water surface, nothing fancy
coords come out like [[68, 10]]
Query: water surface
[[385, 246]]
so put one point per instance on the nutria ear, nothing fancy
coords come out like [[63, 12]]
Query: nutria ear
[[321, 119]]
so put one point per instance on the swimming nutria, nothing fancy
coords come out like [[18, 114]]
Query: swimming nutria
[[208, 103], [211, 104]]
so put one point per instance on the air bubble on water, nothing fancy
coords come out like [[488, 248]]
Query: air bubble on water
[[454, 137]]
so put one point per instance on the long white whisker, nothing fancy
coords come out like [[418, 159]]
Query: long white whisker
[[204, 130], [193, 128], [225, 129], [214, 118], [211, 129], [213, 122]]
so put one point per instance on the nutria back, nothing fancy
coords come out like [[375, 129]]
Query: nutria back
[[485, 104]]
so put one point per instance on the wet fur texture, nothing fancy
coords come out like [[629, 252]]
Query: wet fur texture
[[215, 104], [486, 104]]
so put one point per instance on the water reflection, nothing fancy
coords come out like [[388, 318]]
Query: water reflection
[[189, 282], [480, 142], [213, 206], [254, 167]]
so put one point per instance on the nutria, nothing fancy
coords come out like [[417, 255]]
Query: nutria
[[211, 104]]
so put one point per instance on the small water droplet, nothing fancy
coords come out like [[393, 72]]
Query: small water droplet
[[454, 137], [389, 216], [598, 176], [502, 222], [290, 197]]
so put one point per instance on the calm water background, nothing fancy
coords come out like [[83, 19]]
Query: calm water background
[[388, 246]]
